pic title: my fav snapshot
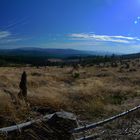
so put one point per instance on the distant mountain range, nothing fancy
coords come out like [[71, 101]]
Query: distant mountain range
[[55, 53], [40, 56], [131, 56]]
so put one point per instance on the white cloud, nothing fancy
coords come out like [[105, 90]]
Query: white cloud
[[10, 40], [4, 34], [107, 38], [8, 37]]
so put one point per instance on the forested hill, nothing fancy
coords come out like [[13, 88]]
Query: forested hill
[[50, 53]]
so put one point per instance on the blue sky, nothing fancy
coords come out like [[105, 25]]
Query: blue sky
[[96, 25]]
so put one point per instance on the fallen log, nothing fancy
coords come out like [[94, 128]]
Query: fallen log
[[59, 123], [21, 126]]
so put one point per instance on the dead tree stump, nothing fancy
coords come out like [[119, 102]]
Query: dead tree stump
[[23, 87]]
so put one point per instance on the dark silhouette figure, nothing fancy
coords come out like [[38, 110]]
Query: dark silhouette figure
[[23, 86]]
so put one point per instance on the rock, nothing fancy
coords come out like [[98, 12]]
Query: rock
[[62, 123]]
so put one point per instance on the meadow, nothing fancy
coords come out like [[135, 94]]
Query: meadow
[[92, 92]]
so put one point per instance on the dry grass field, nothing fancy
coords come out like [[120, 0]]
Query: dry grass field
[[97, 92]]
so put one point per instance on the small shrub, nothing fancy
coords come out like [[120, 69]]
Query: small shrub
[[114, 64], [117, 98], [127, 66], [36, 74], [132, 70], [76, 75]]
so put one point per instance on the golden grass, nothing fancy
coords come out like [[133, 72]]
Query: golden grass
[[96, 93]]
